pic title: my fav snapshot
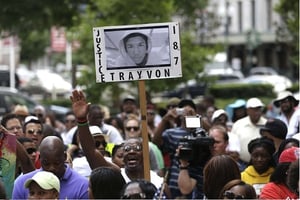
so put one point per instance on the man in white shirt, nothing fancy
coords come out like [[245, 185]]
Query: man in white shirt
[[247, 128]]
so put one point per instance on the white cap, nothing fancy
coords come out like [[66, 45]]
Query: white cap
[[217, 114], [254, 103], [96, 131]]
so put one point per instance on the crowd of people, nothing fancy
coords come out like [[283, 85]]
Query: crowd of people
[[237, 152]]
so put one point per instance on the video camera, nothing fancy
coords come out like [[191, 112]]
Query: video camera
[[196, 146]]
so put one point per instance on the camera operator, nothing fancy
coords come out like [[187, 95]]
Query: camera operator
[[169, 140]]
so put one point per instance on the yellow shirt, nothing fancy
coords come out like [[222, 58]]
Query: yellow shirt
[[252, 177]]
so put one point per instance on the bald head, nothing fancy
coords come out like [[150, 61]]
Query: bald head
[[52, 143], [52, 155]]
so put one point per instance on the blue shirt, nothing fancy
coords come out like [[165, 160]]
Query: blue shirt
[[171, 138], [72, 185]]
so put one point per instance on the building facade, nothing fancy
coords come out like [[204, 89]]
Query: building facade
[[249, 30]]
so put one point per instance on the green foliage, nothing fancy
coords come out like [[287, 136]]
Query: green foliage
[[28, 15], [294, 88], [31, 21], [241, 90], [33, 45], [289, 11], [61, 102]]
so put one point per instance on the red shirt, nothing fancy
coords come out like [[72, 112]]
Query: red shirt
[[277, 191], [37, 163]]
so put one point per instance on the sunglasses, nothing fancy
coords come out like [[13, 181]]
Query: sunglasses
[[31, 150], [98, 143], [230, 195], [135, 128], [34, 131], [133, 147], [134, 196]]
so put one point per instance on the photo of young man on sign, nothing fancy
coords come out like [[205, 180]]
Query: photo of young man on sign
[[137, 52], [142, 48]]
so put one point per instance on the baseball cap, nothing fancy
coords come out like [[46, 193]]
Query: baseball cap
[[96, 131], [283, 95], [174, 101], [217, 114], [275, 127], [254, 103], [262, 141], [129, 98], [238, 103], [31, 119], [45, 180], [289, 155], [186, 102]]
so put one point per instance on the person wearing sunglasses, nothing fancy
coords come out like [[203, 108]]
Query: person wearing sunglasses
[[133, 162], [138, 189], [237, 189], [33, 129], [80, 163], [30, 147], [133, 130], [132, 148]]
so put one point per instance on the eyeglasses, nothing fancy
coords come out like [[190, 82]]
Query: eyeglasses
[[31, 150], [230, 195], [134, 196], [14, 127], [34, 131], [136, 147], [135, 128], [98, 143]]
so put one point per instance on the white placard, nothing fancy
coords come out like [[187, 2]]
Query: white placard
[[137, 52]]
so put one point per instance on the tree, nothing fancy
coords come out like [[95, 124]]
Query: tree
[[289, 12], [31, 21]]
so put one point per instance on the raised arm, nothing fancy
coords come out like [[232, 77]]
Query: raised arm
[[80, 109], [163, 125]]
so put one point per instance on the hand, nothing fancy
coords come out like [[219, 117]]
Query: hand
[[170, 115], [181, 161], [5, 131], [79, 105]]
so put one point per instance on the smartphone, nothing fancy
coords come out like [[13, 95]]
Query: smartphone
[[179, 111]]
